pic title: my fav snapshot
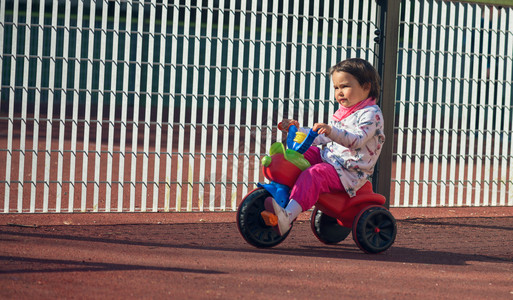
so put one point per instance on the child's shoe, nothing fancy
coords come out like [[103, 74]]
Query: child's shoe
[[284, 221]]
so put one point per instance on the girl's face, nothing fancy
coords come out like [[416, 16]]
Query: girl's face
[[348, 90]]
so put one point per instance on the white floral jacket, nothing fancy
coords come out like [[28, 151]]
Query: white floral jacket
[[353, 146]]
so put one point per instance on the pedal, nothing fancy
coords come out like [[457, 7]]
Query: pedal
[[270, 219]]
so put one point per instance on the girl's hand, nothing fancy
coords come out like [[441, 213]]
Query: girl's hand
[[322, 128], [285, 124]]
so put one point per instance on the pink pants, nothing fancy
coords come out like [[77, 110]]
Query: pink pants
[[320, 178]]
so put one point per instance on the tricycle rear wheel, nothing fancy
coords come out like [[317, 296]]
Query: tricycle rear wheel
[[251, 225], [374, 229], [327, 229]]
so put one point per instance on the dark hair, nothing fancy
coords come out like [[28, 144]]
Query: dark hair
[[363, 71]]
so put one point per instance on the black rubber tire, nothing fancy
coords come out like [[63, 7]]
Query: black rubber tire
[[327, 229], [251, 225], [374, 229]]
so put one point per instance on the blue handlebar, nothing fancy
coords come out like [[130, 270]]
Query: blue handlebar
[[302, 147], [291, 136]]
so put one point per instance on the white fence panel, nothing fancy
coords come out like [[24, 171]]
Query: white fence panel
[[151, 106], [457, 115]]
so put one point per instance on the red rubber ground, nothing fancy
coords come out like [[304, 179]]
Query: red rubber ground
[[439, 254]]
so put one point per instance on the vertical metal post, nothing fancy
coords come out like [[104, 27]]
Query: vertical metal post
[[387, 64]]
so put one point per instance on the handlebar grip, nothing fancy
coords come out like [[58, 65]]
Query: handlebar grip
[[280, 125]]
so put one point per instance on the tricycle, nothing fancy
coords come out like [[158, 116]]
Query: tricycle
[[334, 215]]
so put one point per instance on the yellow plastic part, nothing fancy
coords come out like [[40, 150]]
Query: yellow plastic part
[[300, 137], [270, 219]]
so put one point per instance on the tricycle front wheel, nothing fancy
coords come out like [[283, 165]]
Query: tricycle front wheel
[[251, 225]]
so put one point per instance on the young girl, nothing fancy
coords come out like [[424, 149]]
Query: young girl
[[353, 142]]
